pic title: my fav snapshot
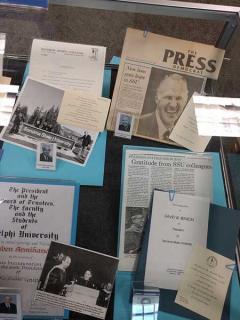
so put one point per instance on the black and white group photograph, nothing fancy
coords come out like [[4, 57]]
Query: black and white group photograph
[[79, 275], [34, 119], [167, 95]]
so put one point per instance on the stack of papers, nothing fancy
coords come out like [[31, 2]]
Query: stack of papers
[[66, 77]]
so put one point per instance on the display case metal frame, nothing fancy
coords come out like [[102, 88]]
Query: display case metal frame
[[229, 14]]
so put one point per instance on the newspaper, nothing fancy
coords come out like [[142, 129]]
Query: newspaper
[[147, 169], [157, 77]]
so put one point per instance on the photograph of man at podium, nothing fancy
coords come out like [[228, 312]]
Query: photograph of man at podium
[[77, 279]]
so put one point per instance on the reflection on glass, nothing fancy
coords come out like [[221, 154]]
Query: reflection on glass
[[145, 303]]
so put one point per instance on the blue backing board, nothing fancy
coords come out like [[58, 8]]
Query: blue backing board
[[122, 306], [20, 162]]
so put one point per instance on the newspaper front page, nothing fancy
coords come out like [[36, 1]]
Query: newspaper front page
[[145, 170], [157, 76]]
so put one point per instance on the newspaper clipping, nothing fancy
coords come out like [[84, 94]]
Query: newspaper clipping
[[157, 77], [77, 279], [145, 170]]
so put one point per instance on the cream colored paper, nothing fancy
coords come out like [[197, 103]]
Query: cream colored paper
[[84, 110], [185, 131], [205, 282], [156, 78]]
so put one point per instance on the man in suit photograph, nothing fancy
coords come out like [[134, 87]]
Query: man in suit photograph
[[7, 306], [45, 155], [170, 99]]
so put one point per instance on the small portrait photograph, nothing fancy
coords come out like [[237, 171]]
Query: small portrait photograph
[[10, 304], [46, 152], [124, 125], [166, 97], [124, 122], [77, 279], [46, 155], [134, 224]]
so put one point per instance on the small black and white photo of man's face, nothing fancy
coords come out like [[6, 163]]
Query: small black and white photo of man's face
[[125, 123], [46, 154]]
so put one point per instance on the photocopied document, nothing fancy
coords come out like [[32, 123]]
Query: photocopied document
[[217, 116], [178, 222], [204, 285], [68, 65], [83, 110], [185, 131]]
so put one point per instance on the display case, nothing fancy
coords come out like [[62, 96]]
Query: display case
[[104, 23]]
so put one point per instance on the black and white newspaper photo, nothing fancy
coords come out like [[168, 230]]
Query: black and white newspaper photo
[[34, 119], [10, 304], [157, 76], [144, 170], [166, 97], [77, 279]]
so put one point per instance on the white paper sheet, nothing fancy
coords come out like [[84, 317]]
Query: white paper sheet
[[177, 224], [68, 65], [185, 131]]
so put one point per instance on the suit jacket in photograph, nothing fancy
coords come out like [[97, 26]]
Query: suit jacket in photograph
[[4, 309]]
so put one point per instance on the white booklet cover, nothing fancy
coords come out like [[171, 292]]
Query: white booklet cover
[[178, 222]]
